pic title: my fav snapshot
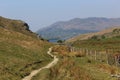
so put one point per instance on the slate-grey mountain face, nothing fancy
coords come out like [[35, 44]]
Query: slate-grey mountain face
[[67, 29]]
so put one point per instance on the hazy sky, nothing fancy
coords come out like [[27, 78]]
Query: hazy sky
[[41, 13]]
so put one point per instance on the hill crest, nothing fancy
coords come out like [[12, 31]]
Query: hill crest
[[16, 25], [76, 26], [110, 32]]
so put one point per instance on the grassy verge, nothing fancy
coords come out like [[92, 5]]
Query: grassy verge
[[76, 69], [66, 69]]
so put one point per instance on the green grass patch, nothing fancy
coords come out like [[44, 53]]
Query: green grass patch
[[109, 43], [17, 62]]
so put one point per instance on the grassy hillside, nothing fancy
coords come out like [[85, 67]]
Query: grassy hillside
[[110, 32], [111, 43], [106, 40], [16, 25], [20, 54]]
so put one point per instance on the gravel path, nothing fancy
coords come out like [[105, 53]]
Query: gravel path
[[35, 72]]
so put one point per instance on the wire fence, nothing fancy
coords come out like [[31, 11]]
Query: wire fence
[[110, 56]]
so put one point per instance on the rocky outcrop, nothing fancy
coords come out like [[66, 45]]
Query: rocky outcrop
[[16, 25]]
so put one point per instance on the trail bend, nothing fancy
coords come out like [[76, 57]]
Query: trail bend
[[35, 72]]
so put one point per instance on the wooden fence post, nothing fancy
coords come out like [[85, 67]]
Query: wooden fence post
[[107, 56], [95, 55]]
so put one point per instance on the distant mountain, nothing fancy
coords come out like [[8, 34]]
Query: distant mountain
[[68, 29]]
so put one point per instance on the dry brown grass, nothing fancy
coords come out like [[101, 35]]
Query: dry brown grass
[[65, 51], [61, 49], [21, 39], [108, 68], [67, 69]]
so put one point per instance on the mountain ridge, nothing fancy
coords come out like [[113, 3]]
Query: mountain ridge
[[76, 26]]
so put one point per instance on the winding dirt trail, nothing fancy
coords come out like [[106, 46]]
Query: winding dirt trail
[[35, 72]]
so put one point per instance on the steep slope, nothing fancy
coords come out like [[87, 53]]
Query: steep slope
[[20, 53], [68, 29], [16, 25]]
